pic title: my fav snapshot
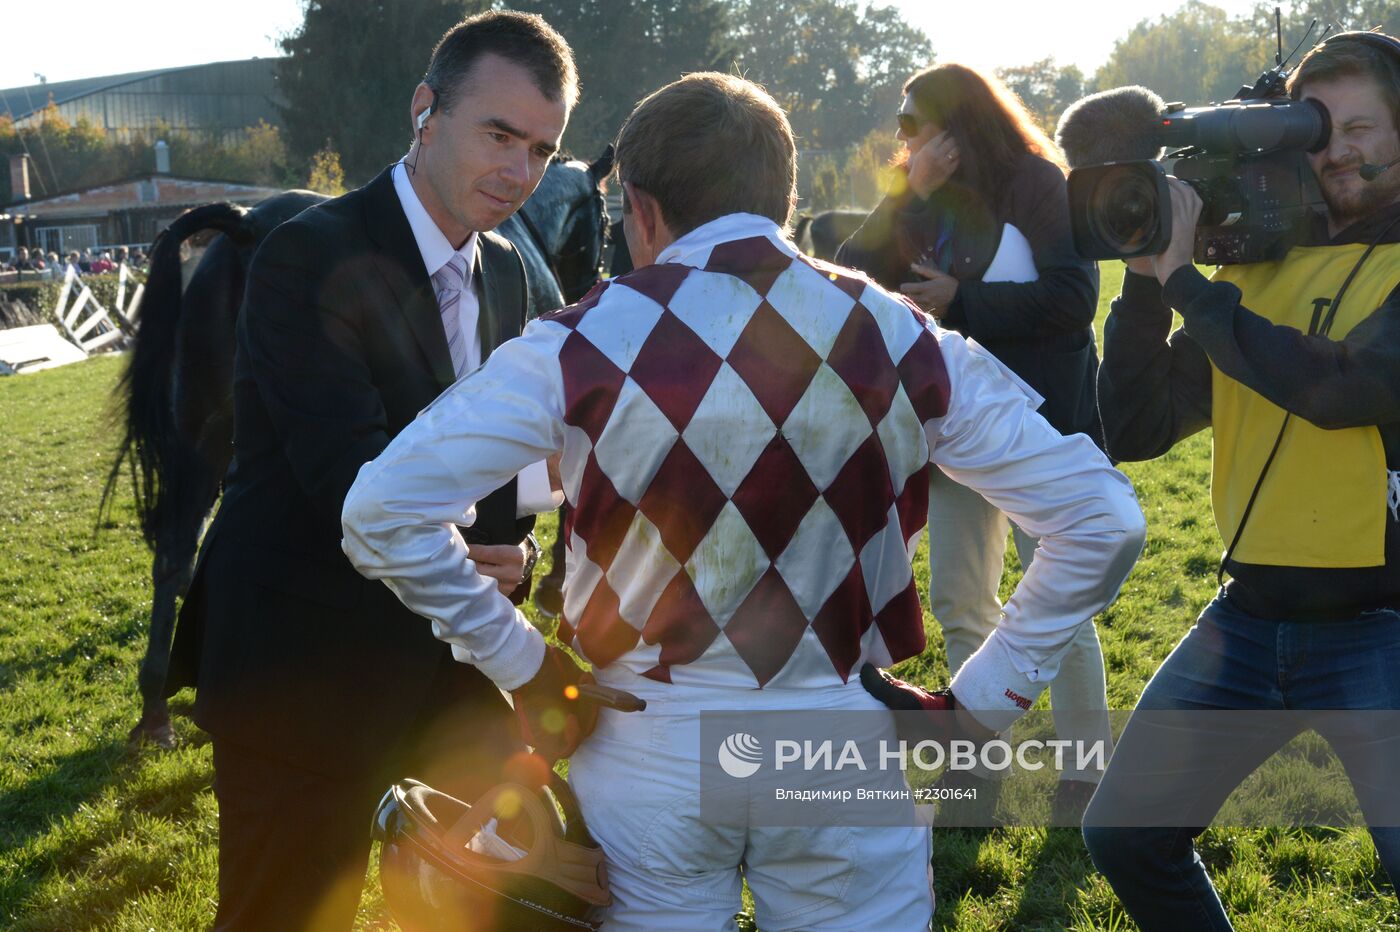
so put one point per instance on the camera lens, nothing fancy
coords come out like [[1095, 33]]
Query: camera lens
[[1122, 209]]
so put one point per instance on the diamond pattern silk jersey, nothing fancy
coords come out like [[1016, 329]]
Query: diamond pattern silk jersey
[[746, 456]]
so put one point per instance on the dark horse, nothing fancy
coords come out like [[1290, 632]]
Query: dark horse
[[178, 387], [821, 235]]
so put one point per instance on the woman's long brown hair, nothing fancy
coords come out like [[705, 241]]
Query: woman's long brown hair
[[986, 119]]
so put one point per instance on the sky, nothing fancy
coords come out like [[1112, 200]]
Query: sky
[[100, 38]]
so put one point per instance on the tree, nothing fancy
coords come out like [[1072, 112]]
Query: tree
[[1340, 14], [68, 156], [1195, 55], [834, 66], [257, 156], [1045, 88], [350, 71], [326, 175], [64, 156], [870, 167], [1198, 54], [264, 154], [828, 184], [625, 50]]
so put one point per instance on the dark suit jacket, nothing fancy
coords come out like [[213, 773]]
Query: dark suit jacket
[[340, 345]]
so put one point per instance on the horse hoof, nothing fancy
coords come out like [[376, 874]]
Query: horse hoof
[[160, 734]]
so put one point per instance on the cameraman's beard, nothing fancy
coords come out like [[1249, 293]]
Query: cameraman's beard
[[1350, 198]]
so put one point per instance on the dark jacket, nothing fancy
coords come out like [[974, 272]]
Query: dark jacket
[[340, 345], [1042, 330], [1155, 389]]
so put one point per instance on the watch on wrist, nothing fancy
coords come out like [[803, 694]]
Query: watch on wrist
[[532, 556]]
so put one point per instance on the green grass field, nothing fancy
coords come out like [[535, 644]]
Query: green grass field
[[93, 835]]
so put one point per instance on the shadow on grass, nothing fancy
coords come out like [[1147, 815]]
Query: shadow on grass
[[30, 810], [971, 866], [85, 815], [1061, 867]]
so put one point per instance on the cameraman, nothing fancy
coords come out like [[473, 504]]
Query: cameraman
[[1296, 366]]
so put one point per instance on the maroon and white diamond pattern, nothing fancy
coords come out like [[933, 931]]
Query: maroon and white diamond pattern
[[745, 450]]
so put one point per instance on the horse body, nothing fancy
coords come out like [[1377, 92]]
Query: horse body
[[178, 386], [821, 235], [562, 248]]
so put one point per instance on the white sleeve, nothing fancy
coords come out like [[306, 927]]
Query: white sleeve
[[1062, 490], [533, 493], [400, 516]]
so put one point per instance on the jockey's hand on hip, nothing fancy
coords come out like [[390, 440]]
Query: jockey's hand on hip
[[552, 718], [943, 719], [504, 563]]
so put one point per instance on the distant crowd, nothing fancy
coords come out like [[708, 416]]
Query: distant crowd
[[84, 261]]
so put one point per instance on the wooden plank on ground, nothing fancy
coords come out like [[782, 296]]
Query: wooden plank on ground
[[30, 349]]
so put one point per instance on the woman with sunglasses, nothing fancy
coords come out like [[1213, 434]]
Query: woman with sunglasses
[[978, 235]]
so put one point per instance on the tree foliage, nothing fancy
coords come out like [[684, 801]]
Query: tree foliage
[[625, 50], [349, 74], [1046, 88], [66, 156], [63, 155], [1340, 14], [326, 174], [1196, 55], [835, 66]]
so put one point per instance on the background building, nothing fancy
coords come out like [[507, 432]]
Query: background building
[[218, 100], [130, 211], [62, 201]]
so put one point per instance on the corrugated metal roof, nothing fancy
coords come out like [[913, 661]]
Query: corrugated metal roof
[[21, 102], [48, 200]]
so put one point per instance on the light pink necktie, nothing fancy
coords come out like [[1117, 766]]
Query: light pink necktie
[[448, 283]]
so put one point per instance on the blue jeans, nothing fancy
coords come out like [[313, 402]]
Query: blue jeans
[[1234, 661]]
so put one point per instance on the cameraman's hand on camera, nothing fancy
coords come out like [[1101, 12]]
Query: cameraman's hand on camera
[[933, 164], [1186, 210], [1145, 266]]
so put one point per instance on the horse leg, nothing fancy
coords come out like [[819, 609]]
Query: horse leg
[[170, 573]]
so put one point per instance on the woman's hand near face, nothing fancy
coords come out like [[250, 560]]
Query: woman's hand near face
[[933, 164]]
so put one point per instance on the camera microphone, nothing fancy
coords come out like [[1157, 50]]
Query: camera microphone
[[1111, 126], [1371, 172]]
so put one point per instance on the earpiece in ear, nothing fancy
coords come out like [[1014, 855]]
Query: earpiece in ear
[[423, 118]]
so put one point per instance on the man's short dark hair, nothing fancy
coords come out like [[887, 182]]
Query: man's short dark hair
[[523, 38], [708, 145], [1347, 57]]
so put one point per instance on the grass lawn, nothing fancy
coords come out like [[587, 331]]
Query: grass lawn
[[93, 835]]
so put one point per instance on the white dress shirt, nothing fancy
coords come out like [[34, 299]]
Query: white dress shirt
[[533, 494]]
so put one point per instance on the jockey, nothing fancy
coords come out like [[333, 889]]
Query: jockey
[[746, 439]]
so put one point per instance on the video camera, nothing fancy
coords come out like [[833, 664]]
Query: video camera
[[1245, 158]]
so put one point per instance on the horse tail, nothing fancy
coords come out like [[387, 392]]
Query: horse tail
[[145, 390]]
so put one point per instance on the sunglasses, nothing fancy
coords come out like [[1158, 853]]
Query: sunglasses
[[909, 124]]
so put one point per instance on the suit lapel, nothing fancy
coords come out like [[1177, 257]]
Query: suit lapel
[[401, 264], [489, 298]]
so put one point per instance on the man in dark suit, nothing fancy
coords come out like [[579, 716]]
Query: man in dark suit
[[318, 687]]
